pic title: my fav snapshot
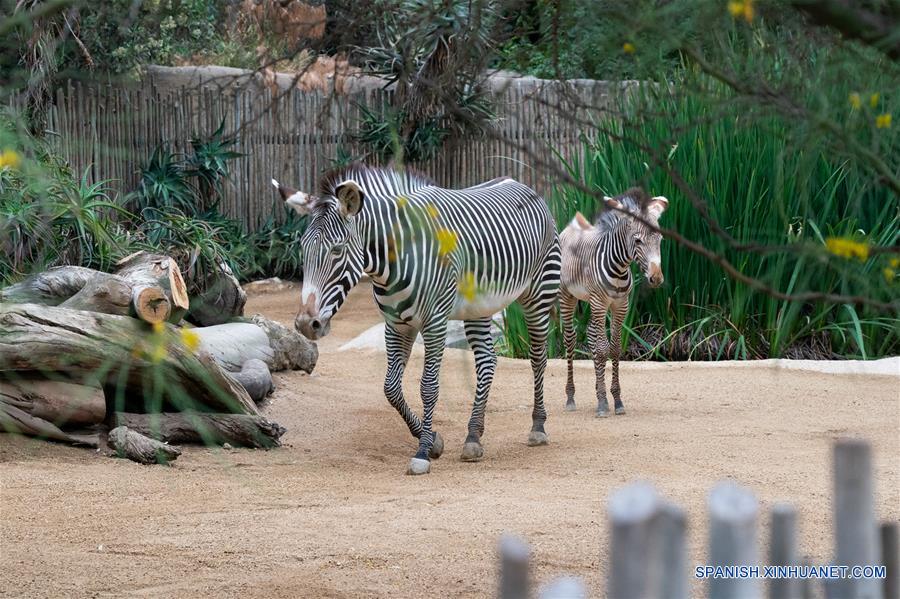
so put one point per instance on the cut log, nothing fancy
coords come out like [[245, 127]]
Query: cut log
[[234, 343], [154, 270], [59, 402], [147, 286], [292, 351], [112, 294], [209, 429], [16, 421], [138, 448], [51, 287], [256, 379], [217, 299], [53, 339]]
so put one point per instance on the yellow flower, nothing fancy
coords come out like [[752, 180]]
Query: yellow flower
[[855, 101], [466, 286], [883, 121], [628, 48], [889, 274], [894, 262], [847, 248], [159, 327], [431, 210], [10, 158], [873, 100], [190, 339], [158, 353], [741, 8], [447, 241], [402, 201]]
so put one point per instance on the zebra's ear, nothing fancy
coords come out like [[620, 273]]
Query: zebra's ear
[[350, 198], [612, 203], [657, 206], [297, 200]]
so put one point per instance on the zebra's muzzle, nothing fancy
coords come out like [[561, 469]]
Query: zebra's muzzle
[[312, 327], [655, 275]]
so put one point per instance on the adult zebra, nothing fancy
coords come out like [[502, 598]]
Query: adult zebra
[[597, 269], [433, 255]]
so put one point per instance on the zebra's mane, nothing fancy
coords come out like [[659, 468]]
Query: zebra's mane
[[633, 200], [375, 179]]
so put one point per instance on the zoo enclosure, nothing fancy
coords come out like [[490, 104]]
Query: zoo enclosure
[[294, 136]]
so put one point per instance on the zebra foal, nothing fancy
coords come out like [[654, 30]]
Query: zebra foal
[[596, 268], [433, 255]]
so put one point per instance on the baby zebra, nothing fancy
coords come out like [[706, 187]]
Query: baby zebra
[[596, 268]]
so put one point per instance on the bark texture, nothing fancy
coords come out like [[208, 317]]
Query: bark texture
[[138, 448], [209, 429]]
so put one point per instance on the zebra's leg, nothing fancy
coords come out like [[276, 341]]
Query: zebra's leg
[[478, 334], [600, 348], [435, 336], [398, 341], [567, 305], [537, 319], [619, 311]]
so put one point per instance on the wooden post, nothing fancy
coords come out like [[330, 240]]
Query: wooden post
[[890, 560], [855, 527], [732, 539], [671, 525], [514, 577], [631, 511], [565, 587], [783, 550]]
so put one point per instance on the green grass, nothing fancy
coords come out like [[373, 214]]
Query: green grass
[[761, 188]]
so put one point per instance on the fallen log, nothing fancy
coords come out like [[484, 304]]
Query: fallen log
[[112, 294], [209, 429], [155, 270], [50, 288], [292, 351], [256, 379], [138, 448], [78, 343], [58, 402], [16, 421], [147, 286], [234, 343], [217, 298]]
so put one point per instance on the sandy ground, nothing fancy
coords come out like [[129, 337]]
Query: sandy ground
[[332, 515]]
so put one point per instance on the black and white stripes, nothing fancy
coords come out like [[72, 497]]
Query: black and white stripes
[[433, 255], [597, 269]]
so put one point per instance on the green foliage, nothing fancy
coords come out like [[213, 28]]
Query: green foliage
[[383, 137], [761, 188], [49, 217], [121, 34]]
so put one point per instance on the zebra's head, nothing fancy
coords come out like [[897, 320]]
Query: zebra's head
[[642, 240], [332, 253]]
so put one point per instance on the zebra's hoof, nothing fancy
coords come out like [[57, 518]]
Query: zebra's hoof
[[602, 413], [570, 405], [437, 447], [472, 452], [620, 410], [537, 438], [418, 466]]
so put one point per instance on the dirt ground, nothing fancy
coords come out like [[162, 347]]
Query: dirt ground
[[331, 514]]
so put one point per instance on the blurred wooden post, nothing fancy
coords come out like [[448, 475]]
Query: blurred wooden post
[[632, 510], [783, 550], [890, 560], [855, 526], [565, 587], [514, 558], [671, 525], [732, 539]]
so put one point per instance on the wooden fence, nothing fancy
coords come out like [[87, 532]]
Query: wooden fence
[[648, 553], [294, 136]]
